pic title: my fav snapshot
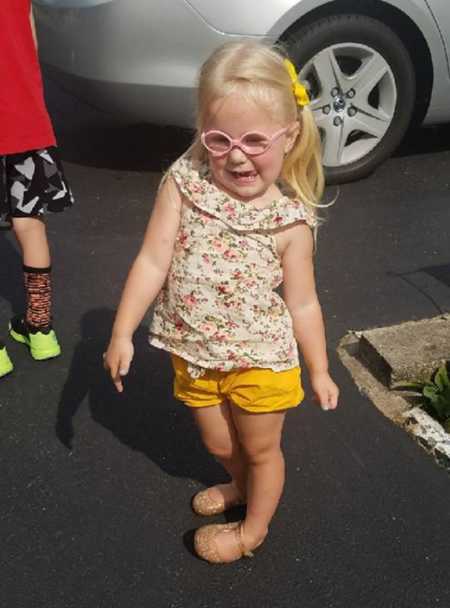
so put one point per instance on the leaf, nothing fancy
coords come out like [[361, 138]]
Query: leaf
[[445, 397], [439, 406], [430, 391], [441, 377]]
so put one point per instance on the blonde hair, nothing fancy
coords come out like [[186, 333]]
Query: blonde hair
[[257, 71]]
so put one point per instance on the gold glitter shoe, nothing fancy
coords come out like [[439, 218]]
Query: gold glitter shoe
[[206, 547], [203, 504]]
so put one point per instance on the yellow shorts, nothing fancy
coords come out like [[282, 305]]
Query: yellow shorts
[[256, 390]]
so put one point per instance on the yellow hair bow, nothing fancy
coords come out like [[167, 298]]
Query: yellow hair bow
[[300, 92]]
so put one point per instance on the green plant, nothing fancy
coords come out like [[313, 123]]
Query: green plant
[[435, 395]]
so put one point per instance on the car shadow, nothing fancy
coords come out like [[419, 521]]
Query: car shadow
[[145, 417], [425, 140], [148, 147], [90, 137], [93, 138], [126, 148], [11, 290]]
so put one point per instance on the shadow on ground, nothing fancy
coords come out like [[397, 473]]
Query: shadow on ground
[[433, 282], [440, 273], [93, 138], [131, 148], [425, 140], [152, 148], [11, 289], [145, 417]]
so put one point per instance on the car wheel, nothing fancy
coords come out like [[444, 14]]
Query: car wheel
[[362, 88]]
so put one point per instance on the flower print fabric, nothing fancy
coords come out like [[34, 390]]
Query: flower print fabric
[[218, 308]]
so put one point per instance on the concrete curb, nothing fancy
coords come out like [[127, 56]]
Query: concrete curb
[[377, 360], [406, 352]]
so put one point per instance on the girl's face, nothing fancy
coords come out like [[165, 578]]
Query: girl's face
[[243, 175]]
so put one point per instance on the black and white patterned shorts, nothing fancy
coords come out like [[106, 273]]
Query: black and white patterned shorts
[[31, 184]]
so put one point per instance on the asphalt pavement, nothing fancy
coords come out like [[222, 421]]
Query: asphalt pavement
[[95, 486]]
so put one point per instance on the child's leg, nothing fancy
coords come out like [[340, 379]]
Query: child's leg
[[260, 438], [32, 237], [219, 436]]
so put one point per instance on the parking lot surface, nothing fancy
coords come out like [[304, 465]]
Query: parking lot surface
[[96, 486]]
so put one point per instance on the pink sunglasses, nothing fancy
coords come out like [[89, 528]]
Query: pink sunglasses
[[252, 143]]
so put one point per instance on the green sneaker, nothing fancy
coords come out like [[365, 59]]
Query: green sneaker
[[6, 366], [43, 344]]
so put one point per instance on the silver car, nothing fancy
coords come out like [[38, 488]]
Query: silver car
[[372, 67]]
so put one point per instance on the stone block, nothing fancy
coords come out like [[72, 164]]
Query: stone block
[[407, 352]]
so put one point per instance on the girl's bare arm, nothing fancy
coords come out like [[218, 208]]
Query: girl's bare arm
[[150, 268], [301, 297], [145, 280], [304, 307]]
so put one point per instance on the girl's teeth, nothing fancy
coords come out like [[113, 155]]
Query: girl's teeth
[[244, 173]]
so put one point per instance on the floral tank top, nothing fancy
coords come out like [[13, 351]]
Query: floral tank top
[[218, 308]]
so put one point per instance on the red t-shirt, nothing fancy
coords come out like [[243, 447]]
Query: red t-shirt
[[24, 121]]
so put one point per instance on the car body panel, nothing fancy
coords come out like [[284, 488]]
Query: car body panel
[[431, 16], [420, 13], [72, 3], [126, 39], [277, 17], [104, 47], [441, 14]]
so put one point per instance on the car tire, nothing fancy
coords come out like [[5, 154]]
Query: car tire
[[357, 34]]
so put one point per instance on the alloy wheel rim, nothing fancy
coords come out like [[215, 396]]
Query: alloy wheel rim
[[353, 98]]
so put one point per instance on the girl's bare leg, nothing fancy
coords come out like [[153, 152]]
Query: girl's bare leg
[[260, 438], [219, 436], [32, 237]]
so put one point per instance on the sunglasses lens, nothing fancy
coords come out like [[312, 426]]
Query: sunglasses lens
[[255, 143], [217, 142]]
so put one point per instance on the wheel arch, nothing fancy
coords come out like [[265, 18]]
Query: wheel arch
[[397, 20]]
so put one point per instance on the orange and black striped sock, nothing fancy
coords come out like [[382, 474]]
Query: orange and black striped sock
[[38, 290]]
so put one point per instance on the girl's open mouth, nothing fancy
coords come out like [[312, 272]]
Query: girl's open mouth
[[244, 177]]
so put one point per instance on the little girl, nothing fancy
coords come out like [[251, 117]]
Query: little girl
[[231, 222], [31, 177]]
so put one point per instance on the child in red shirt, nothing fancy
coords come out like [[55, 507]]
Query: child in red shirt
[[31, 176]]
